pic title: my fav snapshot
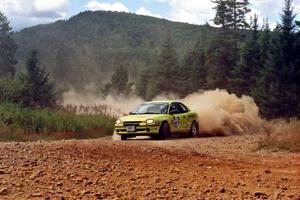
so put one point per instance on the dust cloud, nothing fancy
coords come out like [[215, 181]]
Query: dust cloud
[[222, 113], [120, 105]]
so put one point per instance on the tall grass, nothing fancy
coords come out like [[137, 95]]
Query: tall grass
[[19, 123], [282, 134]]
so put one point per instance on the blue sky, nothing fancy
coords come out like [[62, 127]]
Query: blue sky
[[25, 13]]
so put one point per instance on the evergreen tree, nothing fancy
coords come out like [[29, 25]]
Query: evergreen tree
[[264, 44], [166, 76], [297, 65], [41, 91], [119, 83], [222, 13], [219, 62], [194, 72], [245, 74], [231, 14], [119, 80], [142, 84], [278, 94], [8, 48], [286, 66], [260, 91]]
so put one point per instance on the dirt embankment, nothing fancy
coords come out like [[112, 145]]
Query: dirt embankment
[[202, 168]]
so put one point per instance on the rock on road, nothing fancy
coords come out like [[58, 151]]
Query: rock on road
[[199, 168]]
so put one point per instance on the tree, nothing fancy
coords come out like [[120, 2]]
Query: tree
[[41, 90], [142, 83], [8, 48], [194, 72], [278, 94], [266, 73], [166, 75], [246, 72], [119, 79], [231, 14], [219, 62], [119, 83]]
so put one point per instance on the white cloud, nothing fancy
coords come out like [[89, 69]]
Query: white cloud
[[31, 12], [144, 11], [191, 11], [200, 12], [95, 5]]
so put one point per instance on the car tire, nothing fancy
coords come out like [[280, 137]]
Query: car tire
[[123, 137], [194, 129], [164, 131]]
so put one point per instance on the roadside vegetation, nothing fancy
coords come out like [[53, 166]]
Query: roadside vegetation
[[282, 134], [18, 123]]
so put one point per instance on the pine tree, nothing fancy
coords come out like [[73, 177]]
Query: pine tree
[[231, 14], [119, 80], [8, 48], [142, 84], [297, 70], [278, 95], [41, 91], [245, 74], [287, 56], [166, 76], [219, 62], [260, 91], [119, 83], [194, 72]]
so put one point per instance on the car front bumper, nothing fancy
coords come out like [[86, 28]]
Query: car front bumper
[[139, 130]]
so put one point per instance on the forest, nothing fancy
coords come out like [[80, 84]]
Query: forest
[[127, 54]]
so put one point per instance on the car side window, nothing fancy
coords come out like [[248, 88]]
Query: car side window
[[176, 108], [184, 108]]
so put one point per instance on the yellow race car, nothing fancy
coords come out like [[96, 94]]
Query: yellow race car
[[158, 119]]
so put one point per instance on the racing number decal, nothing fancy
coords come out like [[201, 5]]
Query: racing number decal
[[176, 122]]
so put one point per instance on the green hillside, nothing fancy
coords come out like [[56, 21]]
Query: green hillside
[[89, 46]]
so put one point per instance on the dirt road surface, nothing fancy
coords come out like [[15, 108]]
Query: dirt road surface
[[199, 168]]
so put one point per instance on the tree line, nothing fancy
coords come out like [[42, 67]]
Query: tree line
[[242, 58]]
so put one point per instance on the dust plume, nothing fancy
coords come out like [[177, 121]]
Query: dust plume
[[220, 112], [119, 105]]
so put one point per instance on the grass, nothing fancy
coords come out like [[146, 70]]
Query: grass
[[28, 124], [283, 135]]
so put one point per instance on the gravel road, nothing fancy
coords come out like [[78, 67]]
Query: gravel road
[[198, 168]]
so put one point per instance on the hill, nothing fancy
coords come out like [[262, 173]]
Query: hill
[[84, 49]]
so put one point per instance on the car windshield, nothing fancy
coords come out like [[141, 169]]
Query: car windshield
[[152, 108]]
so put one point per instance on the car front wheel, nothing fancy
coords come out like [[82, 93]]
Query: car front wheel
[[164, 131]]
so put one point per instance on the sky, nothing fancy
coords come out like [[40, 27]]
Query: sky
[[26, 13]]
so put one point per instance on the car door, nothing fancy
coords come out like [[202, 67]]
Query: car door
[[178, 122], [186, 122]]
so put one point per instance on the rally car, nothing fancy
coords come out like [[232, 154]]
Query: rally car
[[158, 119]]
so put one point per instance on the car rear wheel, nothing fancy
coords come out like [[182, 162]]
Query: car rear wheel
[[123, 137], [164, 131], [194, 130]]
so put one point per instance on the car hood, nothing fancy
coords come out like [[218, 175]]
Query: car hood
[[133, 118]]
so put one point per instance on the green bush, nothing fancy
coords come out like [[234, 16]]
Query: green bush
[[12, 90], [51, 123]]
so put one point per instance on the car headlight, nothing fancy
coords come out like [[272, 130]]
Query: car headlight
[[118, 122], [150, 121]]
